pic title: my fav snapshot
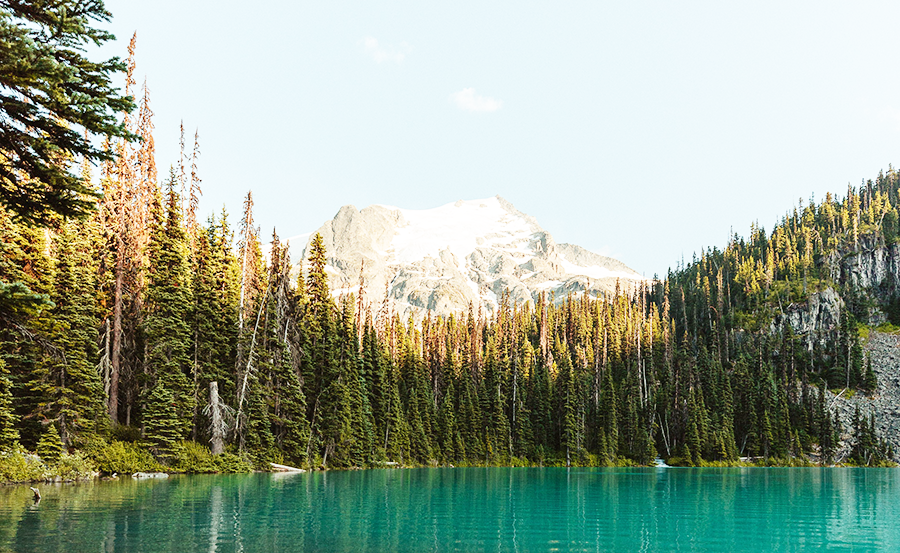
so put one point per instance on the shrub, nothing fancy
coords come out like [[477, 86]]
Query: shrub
[[196, 458], [19, 466], [124, 458], [76, 466], [231, 463], [89, 442]]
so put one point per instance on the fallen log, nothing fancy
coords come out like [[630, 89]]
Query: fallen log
[[284, 468]]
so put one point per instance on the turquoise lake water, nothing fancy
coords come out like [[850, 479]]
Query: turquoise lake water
[[466, 509]]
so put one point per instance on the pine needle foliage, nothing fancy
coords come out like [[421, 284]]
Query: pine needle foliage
[[50, 95], [49, 447]]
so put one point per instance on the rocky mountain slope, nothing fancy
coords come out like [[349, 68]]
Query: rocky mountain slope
[[444, 259], [884, 352], [871, 277]]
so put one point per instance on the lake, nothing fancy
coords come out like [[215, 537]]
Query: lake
[[466, 509]]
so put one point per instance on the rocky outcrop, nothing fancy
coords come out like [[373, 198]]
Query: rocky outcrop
[[821, 312], [445, 259], [869, 278], [871, 272], [873, 267]]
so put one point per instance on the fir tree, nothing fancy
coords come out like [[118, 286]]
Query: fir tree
[[49, 447], [162, 427], [286, 400], [44, 100], [169, 306], [329, 401], [69, 385], [9, 435]]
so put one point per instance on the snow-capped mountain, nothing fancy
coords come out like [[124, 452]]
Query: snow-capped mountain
[[445, 258]]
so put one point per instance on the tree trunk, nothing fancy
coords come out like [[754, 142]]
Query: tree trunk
[[116, 334], [217, 422]]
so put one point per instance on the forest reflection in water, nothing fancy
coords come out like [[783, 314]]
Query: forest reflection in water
[[465, 509]]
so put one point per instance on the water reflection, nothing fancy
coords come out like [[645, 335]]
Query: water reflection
[[465, 510]]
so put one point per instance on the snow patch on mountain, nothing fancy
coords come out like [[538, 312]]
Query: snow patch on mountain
[[458, 228], [446, 258]]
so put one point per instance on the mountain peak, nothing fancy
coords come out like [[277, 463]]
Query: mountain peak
[[467, 252]]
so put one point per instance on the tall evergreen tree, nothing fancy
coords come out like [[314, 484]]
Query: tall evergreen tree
[[169, 304], [67, 381]]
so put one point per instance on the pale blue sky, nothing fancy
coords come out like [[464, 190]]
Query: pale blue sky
[[641, 130]]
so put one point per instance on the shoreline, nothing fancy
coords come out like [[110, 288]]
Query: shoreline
[[163, 475]]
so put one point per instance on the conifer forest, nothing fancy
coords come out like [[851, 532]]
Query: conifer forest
[[148, 325]]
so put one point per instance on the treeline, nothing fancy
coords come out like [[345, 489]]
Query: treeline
[[142, 324], [304, 378]]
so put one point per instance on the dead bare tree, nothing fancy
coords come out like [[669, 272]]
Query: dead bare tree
[[221, 419]]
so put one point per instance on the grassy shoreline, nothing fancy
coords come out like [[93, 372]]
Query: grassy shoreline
[[123, 458]]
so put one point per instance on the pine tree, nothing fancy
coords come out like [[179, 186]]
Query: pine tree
[[9, 435], [375, 377], [258, 440], [169, 304], [396, 431], [25, 318], [162, 427], [492, 402], [253, 297], [328, 401], [214, 314], [609, 425], [129, 196], [44, 100], [870, 380], [361, 419], [67, 381], [447, 431], [287, 402], [49, 447]]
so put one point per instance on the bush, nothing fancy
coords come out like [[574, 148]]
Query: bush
[[89, 442], [680, 461], [231, 463], [19, 466], [76, 466], [196, 458], [124, 458]]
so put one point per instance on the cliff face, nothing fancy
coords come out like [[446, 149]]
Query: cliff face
[[873, 273], [869, 277], [444, 259], [873, 267], [821, 312]]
